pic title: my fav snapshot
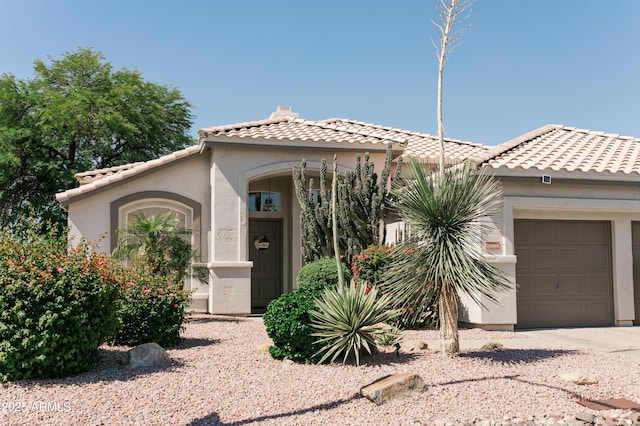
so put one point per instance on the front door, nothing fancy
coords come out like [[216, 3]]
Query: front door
[[265, 251]]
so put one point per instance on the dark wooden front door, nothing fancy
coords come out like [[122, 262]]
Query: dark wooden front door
[[265, 251]]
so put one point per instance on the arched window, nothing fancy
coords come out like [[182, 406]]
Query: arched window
[[154, 203], [156, 207]]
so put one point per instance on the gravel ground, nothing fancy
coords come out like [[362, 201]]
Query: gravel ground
[[219, 378]]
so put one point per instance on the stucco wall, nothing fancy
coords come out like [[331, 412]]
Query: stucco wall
[[90, 216], [618, 204], [234, 170]]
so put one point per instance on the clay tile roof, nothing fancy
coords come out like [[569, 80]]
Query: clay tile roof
[[96, 179], [92, 175], [344, 131], [567, 149]]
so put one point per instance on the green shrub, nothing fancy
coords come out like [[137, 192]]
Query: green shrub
[[318, 275], [57, 306], [287, 322], [350, 319], [151, 308]]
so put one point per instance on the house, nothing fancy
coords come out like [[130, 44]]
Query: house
[[568, 232]]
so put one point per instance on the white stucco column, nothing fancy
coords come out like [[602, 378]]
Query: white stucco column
[[229, 269], [622, 254]]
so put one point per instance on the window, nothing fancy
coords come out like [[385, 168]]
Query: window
[[155, 207], [153, 203], [317, 199], [264, 201]]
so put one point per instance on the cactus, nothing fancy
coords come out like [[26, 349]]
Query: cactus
[[315, 218], [363, 202], [362, 205]]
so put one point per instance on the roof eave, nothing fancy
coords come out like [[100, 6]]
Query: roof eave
[[563, 174], [308, 144]]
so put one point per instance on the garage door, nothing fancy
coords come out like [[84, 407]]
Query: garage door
[[563, 273], [635, 227]]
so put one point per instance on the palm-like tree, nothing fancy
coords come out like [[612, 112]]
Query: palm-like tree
[[159, 242], [446, 213]]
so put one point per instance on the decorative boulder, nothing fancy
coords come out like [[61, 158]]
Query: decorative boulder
[[147, 355], [414, 346], [578, 377], [397, 386]]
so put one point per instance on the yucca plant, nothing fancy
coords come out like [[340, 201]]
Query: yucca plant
[[350, 319], [447, 213]]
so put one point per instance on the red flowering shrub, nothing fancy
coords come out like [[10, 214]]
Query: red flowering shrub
[[370, 264], [151, 308], [57, 306]]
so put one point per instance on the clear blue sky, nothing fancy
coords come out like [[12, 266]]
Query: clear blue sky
[[521, 65]]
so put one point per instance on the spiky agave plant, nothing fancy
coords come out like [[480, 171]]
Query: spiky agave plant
[[446, 214], [348, 319]]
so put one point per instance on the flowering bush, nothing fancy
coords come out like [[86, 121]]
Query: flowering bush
[[371, 265], [151, 308], [57, 306]]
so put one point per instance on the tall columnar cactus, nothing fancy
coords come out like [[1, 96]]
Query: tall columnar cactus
[[315, 214], [362, 202]]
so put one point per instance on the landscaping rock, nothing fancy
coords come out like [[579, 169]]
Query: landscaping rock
[[413, 346], [585, 417], [387, 388], [492, 346], [288, 364], [263, 349], [578, 377], [147, 355]]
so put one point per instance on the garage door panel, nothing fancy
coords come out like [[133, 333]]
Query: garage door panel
[[596, 257], [569, 286], [523, 258], [537, 286], [594, 232], [542, 233], [563, 273], [547, 313], [571, 313], [568, 257], [541, 258], [599, 313], [569, 231], [597, 285]]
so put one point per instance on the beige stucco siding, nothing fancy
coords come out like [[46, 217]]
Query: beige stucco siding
[[91, 216], [234, 171], [617, 204]]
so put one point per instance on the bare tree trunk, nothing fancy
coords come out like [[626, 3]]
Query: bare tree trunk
[[442, 57], [451, 14], [449, 343]]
